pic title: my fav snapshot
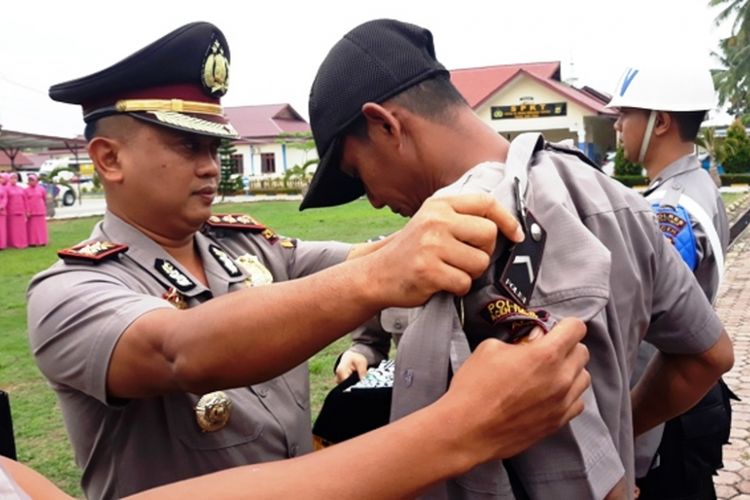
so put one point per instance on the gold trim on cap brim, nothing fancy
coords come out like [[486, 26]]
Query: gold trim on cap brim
[[174, 105]]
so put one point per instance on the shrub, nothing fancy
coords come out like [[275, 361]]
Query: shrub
[[737, 149], [623, 167], [632, 180]]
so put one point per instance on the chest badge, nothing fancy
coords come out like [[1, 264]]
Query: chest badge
[[258, 274], [212, 411]]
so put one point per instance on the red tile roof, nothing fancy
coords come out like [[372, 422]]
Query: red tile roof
[[477, 85], [266, 121]]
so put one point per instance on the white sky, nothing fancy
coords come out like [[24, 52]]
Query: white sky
[[276, 46]]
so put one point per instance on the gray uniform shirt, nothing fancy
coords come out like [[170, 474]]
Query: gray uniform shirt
[[76, 314], [687, 177], [607, 262]]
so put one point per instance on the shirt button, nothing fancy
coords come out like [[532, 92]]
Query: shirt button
[[397, 325], [262, 392]]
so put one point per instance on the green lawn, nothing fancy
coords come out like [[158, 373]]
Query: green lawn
[[40, 435]]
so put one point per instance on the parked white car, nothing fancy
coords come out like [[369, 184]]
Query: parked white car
[[61, 193]]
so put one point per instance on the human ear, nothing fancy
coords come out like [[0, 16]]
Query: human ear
[[381, 122], [104, 153], [663, 123]]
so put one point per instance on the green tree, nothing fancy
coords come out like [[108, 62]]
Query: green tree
[[226, 185], [733, 80], [715, 149], [304, 142], [737, 149], [623, 166]]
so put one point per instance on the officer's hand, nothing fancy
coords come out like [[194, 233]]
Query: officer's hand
[[507, 397], [445, 245], [350, 362]]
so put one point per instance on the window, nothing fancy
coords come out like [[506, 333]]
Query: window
[[267, 163], [238, 164]]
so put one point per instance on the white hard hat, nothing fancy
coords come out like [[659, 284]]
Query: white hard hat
[[687, 88]]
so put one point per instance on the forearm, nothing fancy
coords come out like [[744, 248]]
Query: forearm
[[673, 383], [405, 452], [252, 335]]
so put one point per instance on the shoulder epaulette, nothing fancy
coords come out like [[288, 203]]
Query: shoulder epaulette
[[573, 151], [235, 221], [92, 252]]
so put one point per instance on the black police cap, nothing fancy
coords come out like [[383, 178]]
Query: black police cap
[[372, 63], [176, 82]]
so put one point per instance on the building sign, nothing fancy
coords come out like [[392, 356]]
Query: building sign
[[529, 110]]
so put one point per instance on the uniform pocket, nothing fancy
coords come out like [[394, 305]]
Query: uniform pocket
[[242, 426]]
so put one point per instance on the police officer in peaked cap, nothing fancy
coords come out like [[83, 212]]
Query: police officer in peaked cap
[[176, 339]]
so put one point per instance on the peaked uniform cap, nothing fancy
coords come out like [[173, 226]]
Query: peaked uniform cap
[[375, 61], [176, 82]]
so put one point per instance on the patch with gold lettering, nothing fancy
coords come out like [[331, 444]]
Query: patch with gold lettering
[[225, 261], [92, 252], [670, 223], [518, 320], [175, 298], [176, 277], [235, 221]]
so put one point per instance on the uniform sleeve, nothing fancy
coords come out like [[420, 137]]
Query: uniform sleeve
[[371, 341], [682, 321], [312, 256], [75, 319]]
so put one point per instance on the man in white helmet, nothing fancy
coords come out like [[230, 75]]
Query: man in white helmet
[[661, 110]]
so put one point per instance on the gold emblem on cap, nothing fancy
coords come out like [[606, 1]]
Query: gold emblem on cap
[[216, 70], [258, 274], [212, 411]]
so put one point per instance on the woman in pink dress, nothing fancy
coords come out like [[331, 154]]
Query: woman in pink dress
[[36, 208], [16, 214], [3, 211]]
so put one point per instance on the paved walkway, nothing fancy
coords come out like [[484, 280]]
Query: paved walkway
[[733, 307]]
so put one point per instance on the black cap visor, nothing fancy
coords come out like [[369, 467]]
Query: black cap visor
[[330, 186]]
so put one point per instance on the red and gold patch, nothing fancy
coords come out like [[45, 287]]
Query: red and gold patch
[[92, 252], [235, 221]]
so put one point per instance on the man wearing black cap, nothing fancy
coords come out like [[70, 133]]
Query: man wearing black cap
[[162, 373], [389, 124]]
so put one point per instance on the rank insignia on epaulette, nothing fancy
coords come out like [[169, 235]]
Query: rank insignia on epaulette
[[178, 279], [175, 298], [288, 243], [92, 253], [270, 235], [235, 221], [257, 273]]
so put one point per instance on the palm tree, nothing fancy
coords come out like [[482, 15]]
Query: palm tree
[[733, 81], [707, 140]]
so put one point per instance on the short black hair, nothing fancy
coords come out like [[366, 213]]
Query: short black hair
[[688, 123], [434, 99]]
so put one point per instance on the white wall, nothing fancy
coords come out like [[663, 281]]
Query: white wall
[[252, 159]]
